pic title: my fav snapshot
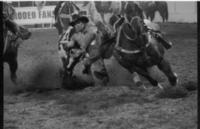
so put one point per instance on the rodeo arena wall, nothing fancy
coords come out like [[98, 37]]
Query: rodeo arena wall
[[40, 14]]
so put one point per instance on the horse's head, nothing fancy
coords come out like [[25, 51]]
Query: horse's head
[[129, 33], [137, 25], [131, 36]]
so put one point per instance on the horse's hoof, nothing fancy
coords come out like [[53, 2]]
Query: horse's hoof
[[174, 80]]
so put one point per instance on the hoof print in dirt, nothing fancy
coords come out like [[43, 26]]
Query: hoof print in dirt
[[172, 92], [190, 86]]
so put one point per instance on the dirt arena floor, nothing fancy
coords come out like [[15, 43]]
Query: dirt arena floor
[[117, 106]]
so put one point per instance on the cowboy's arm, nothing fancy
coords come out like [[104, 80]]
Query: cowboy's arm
[[70, 43]]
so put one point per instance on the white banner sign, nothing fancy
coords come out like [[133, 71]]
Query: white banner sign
[[31, 15]]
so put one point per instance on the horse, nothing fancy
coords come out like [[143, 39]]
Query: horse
[[162, 8], [137, 51], [150, 9], [128, 10], [63, 15], [13, 36]]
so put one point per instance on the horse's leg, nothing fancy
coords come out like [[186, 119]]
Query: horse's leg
[[13, 65], [136, 79], [165, 67], [146, 75]]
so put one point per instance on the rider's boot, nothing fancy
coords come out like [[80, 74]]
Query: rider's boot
[[167, 44]]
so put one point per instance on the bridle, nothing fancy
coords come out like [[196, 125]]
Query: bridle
[[127, 36], [119, 48]]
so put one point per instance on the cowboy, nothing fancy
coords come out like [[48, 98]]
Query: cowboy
[[85, 36]]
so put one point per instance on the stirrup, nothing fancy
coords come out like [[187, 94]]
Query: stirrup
[[165, 43]]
